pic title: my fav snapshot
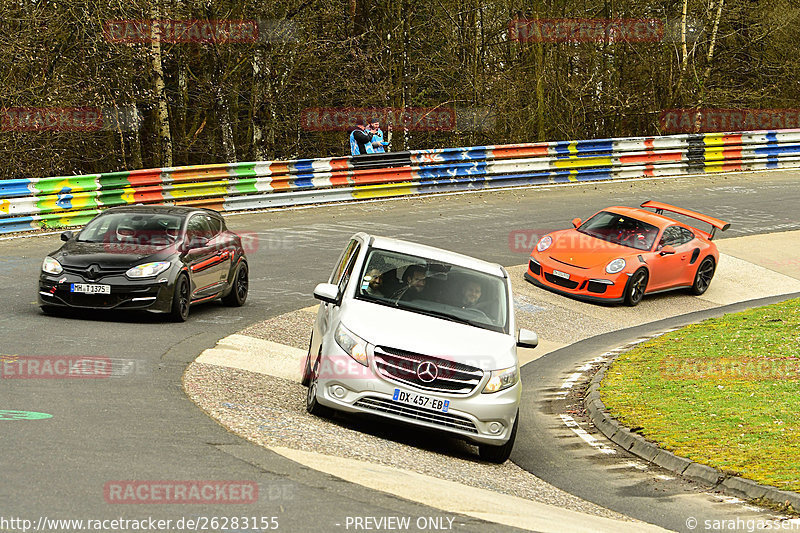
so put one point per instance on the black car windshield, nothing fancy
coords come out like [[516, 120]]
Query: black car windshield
[[435, 288], [622, 230], [150, 229]]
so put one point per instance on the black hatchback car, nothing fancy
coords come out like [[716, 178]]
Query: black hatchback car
[[156, 258]]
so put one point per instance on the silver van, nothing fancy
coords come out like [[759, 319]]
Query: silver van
[[422, 336]]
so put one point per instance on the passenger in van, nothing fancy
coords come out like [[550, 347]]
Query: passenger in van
[[373, 283], [470, 293], [413, 283]]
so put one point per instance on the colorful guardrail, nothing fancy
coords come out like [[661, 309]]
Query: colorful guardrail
[[54, 202]]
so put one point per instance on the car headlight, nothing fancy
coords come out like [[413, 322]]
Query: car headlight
[[544, 243], [351, 343], [615, 266], [148, 270], [502, 379], [51, 266]]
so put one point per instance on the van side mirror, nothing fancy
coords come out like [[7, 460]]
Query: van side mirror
[[328, 293], [67, 236], [527, 339]]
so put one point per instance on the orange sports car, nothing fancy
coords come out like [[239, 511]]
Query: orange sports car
[[622, 253]]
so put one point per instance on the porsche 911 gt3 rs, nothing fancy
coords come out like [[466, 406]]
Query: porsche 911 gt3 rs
[[622, 253]]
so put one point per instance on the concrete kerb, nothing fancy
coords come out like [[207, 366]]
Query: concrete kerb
[[652, 453]]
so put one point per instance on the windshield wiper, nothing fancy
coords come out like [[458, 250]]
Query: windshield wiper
[[452, 318]]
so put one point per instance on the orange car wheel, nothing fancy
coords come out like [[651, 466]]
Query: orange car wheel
[[702, 279], [634, 289]]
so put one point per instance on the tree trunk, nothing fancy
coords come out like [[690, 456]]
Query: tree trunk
[[223, 115], [162, 114]]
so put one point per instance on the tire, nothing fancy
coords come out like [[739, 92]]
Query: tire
[[499, 454], [239, 287], [312, 405], [636, 287], [703, 276], [181, 299], [306, 378]]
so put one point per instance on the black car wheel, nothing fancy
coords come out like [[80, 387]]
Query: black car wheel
[[499, 454], [306, 378], [238, 294], [634, 290], [702, 279], [312, 405], [180, 299]]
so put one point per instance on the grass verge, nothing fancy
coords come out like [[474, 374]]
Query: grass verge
[[724, 392]]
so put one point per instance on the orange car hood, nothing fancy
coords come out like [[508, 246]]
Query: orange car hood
[[581, 250]]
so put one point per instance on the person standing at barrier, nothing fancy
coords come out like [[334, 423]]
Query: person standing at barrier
[[378, 143], [360, 139]]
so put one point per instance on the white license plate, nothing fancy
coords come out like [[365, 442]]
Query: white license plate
[[90, 288], [560, 274], [420, 400]]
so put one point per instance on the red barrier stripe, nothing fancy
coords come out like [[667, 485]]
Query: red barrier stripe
[[340, 164], [521, 151], [364, 177], [151, 176]]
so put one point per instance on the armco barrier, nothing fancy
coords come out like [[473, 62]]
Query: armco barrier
[[36, 203]]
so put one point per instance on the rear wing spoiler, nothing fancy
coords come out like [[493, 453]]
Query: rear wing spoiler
[[715, 222]]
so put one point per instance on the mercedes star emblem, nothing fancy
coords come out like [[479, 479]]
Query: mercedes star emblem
[[427, 371]]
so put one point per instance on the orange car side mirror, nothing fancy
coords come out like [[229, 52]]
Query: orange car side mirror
[[576, 222], [667, 250]]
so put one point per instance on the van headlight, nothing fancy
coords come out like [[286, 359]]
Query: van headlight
[[615, 266], [51, 266], [355, 346], [148, 270], [502, 379]]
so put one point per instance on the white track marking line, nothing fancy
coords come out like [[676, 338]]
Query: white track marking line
[[588, 439]]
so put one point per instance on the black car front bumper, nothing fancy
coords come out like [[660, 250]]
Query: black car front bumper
[[151, 295]]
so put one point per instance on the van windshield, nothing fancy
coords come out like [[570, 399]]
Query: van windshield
[[435, 288]]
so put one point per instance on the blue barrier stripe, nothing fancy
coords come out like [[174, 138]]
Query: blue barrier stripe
[[778, 149], [303, 181], [302, 165], [14, 188]]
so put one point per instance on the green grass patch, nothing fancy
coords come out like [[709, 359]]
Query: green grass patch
[[725, 393]]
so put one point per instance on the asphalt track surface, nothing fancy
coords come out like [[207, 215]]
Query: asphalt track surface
[[140, 426]]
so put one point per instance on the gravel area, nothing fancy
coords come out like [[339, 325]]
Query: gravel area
[[292, 329], [271, 411]]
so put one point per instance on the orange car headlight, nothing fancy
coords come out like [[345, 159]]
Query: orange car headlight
[[615, 266], [544, 243]]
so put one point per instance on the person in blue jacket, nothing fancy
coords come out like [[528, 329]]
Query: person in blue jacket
[[378, 144], [360, 139]]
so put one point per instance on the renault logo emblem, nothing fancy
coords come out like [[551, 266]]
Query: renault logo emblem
[[427, 371], [92, 271]]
